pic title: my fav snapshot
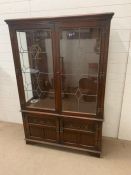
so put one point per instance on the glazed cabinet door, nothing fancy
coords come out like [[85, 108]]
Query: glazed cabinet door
[[80, 68], [35, 67]]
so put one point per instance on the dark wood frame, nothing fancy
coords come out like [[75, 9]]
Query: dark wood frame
[[101, 21]]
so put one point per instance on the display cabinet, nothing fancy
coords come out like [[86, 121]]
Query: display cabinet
[[60, 66]]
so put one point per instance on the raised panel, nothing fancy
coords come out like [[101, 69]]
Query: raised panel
[[77, 138], [42, 133], [50, 134], [41, 127], [70, 137], [81, 132], [36, 132], [87, 140], [79, 124], [48, 121]]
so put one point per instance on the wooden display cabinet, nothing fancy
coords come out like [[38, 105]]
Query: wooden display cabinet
[[60, 66]]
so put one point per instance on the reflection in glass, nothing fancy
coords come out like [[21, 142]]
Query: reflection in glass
[[35, 49], [80, 52]]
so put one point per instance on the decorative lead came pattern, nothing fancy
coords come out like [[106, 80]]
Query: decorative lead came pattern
[[80, 53], [35, 49]]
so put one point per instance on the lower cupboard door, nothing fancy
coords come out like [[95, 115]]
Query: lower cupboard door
[[79, 139], [81, 133], [43, 133]]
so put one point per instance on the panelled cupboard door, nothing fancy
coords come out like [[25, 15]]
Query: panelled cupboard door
[[80, 69], [41, 127], [36, 66], [80, 133]]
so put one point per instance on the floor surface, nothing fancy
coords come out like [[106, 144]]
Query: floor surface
[[17, 158]]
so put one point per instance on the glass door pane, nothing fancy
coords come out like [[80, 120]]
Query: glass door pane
[[80, 53], [35, 50]]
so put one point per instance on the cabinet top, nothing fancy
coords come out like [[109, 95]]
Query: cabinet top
[[86, 17]]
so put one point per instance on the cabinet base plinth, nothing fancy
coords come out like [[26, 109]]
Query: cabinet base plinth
[[64, 147]]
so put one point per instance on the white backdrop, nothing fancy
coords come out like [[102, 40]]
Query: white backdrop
[[118, 85]]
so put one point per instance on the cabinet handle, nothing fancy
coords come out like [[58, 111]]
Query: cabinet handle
[[61, 129]]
